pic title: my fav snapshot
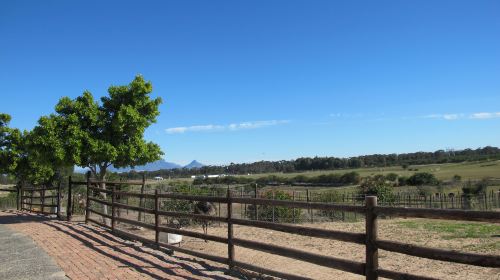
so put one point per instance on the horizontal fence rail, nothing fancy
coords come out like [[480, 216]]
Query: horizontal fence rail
[[446, 214], [370, 269], [439, 254], [358, 238], [345, 265]]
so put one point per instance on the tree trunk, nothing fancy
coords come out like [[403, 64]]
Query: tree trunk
[[141, 200], [102, 185]]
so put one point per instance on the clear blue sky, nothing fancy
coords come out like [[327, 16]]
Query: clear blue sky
[[267, 80]]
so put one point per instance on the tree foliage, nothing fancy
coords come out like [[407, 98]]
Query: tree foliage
[[83, 132], [378, 186], [93, 134], [7, 144], [422, 178], [21, 157]]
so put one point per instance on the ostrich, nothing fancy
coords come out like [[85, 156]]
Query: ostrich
[[204, 208]]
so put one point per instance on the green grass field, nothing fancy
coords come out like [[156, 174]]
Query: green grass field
[[468, 170]]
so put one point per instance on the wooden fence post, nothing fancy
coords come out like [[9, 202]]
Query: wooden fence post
[[274, 208], [42, 199], [18, 201], [241, 204], [157, 219], [371, 237], [21, 197], [311, 213], [87, 204], [69, 210], [59, 200], [255, 205], [230, 245], [485, 201], [141, 199], [113, 208], [31, 199]]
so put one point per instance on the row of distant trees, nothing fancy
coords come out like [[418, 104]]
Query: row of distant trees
[[334, 163], [83, 132]]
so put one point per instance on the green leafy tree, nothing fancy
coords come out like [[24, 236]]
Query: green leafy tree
[[16, 155], [96, 135], [20, 157], [9, 140]]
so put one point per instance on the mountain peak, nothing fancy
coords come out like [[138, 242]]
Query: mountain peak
[[194, 164]]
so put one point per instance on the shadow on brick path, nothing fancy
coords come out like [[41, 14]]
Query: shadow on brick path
[[86, 250]]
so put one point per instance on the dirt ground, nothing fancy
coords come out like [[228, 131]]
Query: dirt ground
[[388, 230]]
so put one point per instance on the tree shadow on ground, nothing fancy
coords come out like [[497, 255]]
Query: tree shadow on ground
[[99, 239], [79, 232], [116, 239], [17, 217]]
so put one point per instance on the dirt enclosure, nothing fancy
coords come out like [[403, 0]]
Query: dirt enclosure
[[389, 230], [473, 237]]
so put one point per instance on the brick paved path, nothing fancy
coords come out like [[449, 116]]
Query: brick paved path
[[89, 252]]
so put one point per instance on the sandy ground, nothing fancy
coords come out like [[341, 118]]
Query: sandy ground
[[389, 230]]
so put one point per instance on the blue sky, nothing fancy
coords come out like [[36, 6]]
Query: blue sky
[[244, 81]]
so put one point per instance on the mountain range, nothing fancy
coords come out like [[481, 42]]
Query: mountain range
[[152, 166]]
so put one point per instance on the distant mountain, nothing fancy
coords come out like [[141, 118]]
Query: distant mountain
[[194, 164], [152, 166]]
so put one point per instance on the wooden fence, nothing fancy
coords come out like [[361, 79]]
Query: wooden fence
[[370, 210], [9, 202], [43, 203], [485, 201]]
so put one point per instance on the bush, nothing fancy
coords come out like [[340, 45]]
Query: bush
[[423, 178], [393, 177], [352, 178], [282, 214], [402, 181], [378, 186], [470, 188], [182, 205]]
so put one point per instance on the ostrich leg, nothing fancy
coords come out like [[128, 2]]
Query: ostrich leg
[[205, 230]]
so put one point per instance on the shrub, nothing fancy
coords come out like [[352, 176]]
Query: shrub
[[457, 178], [402, 181], [473, 189], [378, 186], [423, 178], [352, 178], [393, 177], [282, 214], [182, 205]]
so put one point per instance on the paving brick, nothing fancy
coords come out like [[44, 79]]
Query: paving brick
[[89, 252]]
